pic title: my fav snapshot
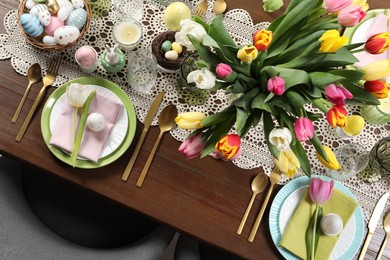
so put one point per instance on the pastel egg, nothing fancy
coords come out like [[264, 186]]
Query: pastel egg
[[31, 25], [171, 55], [49, 40], [63, 13], [166, 46], [96, 122], [86, 56], [331, 224], [44, 17], [29, 4], [77, 18], [52, 6], [36, 9], [66, 34], [78, 4], [177, 47], [55, 23]]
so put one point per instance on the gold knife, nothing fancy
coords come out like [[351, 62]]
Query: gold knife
[[380, 205], [147, 122]]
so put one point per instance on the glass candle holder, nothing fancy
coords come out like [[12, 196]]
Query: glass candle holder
[[127, 33], [142, 70]]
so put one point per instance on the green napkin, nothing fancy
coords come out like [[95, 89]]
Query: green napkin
[[294, 237]]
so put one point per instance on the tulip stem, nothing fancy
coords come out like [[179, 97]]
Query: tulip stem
[[313, 245], [75, 111]]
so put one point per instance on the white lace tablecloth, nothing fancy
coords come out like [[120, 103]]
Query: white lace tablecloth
[[239, 23]]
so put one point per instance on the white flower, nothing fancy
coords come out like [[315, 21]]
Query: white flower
[[204, 79], [189, 27], [77, 94], [281, 138]]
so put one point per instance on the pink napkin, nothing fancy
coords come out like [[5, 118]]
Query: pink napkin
[[92, 143], [379, 24]]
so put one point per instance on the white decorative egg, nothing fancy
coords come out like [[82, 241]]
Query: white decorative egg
[[78, 4], [96, 122], [331, 224], [44, 17], [63, 13], [77, 18], [171, 55], [30, 4], [31, 25], [36, 9], [66, 34], [49, 40]]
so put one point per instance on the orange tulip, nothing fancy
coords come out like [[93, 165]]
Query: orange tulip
[[262, 39], [379, 88], [377, 43], [337, 116]]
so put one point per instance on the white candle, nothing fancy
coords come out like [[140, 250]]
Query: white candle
[[127, 33]]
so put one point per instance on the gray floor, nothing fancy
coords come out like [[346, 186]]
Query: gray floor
[[23, 236]]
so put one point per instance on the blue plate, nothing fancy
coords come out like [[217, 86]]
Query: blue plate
[[348, 245]]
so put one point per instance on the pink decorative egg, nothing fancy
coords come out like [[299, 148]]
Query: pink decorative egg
[[86, 56], [53, 25]]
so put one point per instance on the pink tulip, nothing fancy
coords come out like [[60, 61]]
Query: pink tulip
[[337, 94], [303, 128], [276, 85], [228, 148], [223, 70], [333, 6], [320, 190], [192, 146], [350, 16]]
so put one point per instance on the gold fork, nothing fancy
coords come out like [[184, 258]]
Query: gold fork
[[201, 8], [274, 178], [49, 78]]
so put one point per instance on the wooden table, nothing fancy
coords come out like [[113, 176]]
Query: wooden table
[[203, 198]]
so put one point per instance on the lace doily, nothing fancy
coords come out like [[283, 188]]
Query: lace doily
[[239, 24]]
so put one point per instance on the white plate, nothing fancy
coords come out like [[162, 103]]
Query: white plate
[[119, 131], [284, 205]]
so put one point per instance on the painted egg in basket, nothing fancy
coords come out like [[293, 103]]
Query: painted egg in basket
[[77, 18], [31, 25]]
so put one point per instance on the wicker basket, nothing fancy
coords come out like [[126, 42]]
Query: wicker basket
[[58, 47]]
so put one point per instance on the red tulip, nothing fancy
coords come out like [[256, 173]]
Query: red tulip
[[303, 128], [228, 148], [377, 43], [337, 116], [320, 190], [379, 88]]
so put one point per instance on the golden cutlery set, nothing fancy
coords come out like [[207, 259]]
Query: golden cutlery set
[[259, 183], [219, 7]]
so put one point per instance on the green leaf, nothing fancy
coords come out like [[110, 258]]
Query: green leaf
[[200, 21], [342, 57], [296, 100], [217, 117], [323, 79], [350, 76], [241, 118], [219, 33], [302, 157], [361, 96], [291, 77], [268, 127], [218, 85], [80, 130], [245, 101], [205, 53], [318, 146], [258, 102]]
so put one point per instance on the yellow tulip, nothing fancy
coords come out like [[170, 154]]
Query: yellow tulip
[[376, 70], [247, 53], [332, 41], [287, 163], [332, 162], [190, 120]]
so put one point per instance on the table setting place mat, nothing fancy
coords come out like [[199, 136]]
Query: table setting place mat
[[92, 142], [294, 237]]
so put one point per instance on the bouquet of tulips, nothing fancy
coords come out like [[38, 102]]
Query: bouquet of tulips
[[300, 60]]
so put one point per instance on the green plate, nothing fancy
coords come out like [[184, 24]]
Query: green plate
[[45, 122], [350, 31]]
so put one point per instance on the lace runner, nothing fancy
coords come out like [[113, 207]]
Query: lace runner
[[240, 25]]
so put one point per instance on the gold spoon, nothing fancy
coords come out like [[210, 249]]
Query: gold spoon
[[274, 178], [258, 185], [166, 122], [386, 226], [219, 6], [34, 75]]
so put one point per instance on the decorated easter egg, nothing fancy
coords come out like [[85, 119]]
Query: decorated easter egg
[[31, 25], [96, 122], [171, 55], [166, 46], [174, 13], [86, 56], [354, 125], [29, 4], [49, 40], [66, 34], [77, 18], [63, 13], [78, 4], [331, 224], [177, 47], [53, 25], [44, 17], [36, 9], [52, 6]]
